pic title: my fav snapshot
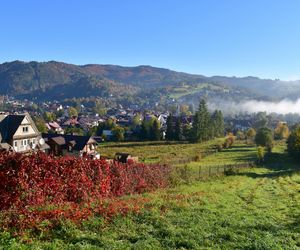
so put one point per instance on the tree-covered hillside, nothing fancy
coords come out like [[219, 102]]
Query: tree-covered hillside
[[57, 80]]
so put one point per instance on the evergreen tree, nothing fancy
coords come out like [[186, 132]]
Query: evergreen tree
[[154, 132], [170, 129], [144, 131], [194, 132], [201, 131], [177, 132], [219, 124], [214, 125]]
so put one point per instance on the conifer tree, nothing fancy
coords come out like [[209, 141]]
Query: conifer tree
[[154, 132], [170, 129], [177, 132], [214, 125], [204, 117], [201, 131], [194, 134], [144, 131], [219, 123]]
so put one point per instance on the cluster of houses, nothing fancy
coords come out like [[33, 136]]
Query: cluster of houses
[[19, 133], [88, 119], [121, 117]]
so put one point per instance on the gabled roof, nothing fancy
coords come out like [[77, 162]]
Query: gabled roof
[[78, 141], [59, 140], [54, 125], [9, 126]]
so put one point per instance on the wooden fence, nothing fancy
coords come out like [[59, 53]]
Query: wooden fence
[[187, 160], [226, 169], [205, 172]]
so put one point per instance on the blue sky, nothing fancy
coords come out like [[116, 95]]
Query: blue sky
[[210, 37]]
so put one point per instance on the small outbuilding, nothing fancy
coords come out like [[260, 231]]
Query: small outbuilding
[[125, 158]]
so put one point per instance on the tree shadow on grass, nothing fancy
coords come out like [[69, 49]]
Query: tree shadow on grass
[[279, 164], [273, 174]]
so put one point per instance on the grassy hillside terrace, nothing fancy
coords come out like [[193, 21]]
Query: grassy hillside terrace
[[163, 152], [257, 208]]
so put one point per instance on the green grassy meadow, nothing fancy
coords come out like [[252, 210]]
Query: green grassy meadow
[[257, 208], [153, 152], [187, 89], [239, 153]]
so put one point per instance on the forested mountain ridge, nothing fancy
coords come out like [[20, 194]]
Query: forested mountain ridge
[[57, 80]]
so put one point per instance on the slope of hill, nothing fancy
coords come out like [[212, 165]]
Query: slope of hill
[[57, 80]]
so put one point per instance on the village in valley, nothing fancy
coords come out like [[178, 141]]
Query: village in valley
[[59, 129]]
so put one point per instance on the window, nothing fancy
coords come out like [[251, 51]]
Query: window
[[15, 144], [24, 142], [33, 141], [25, 129]]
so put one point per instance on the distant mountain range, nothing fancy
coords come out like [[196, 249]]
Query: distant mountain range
[[57, 80]]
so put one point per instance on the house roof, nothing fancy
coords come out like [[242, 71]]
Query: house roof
[[9, 126], [43, 146], [59, 140], [54, 125], [71, 121], [78, 141]]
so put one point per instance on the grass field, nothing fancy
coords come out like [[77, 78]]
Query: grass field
[[239, 153], [187, 89], [258, 208], [152, 152]]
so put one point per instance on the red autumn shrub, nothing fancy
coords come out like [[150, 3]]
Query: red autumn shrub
[[39, 179]]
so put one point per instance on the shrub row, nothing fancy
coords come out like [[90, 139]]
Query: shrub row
[[39, 179]]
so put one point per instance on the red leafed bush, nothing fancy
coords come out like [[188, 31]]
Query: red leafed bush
[[38, 180]]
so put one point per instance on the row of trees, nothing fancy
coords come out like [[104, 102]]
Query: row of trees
[[264, 138], [205, 125], [174, 128], [150, 130]]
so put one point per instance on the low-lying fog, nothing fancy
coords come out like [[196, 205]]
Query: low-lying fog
[[253, 106]]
